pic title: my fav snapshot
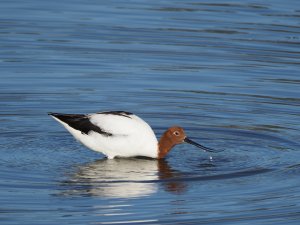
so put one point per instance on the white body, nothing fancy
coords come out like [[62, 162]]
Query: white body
[[131, 136]]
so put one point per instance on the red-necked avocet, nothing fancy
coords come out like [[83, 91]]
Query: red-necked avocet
[[122, 134]]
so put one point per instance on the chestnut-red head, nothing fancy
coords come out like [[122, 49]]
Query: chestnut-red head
[[173, 136]]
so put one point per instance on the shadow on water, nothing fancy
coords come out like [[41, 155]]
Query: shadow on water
[[131, 178], [122, 178]]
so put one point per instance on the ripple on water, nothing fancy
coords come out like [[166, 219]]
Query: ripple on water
[[227, 72], [132, 178]]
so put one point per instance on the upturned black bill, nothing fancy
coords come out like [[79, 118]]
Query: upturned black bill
[[187, 140]]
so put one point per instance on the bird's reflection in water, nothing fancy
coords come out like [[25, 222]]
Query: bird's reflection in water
[[123, 178]]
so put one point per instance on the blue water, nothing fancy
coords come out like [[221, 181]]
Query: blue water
[[226, 71]]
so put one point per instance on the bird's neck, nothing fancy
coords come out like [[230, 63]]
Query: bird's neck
[[165, 144]]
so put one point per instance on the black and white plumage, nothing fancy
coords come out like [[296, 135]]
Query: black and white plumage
[[114, 133], [122, 134]]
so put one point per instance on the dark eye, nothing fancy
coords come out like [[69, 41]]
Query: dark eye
[[176, 133]]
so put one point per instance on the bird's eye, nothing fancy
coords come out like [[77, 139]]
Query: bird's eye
[[176, 133]]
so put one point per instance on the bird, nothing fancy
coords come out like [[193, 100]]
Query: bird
[[122, 134]]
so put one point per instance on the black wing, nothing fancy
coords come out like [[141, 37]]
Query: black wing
[[80, 122], [117, 113]]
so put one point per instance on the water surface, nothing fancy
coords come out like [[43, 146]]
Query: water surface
[[226, 71]]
